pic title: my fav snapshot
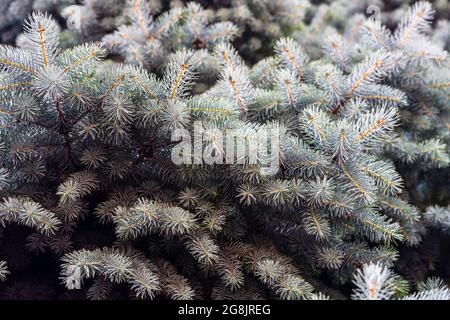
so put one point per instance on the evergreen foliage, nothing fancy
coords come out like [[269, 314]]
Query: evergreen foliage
[[89, 129]]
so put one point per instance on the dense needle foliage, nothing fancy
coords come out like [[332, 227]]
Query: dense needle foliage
[[350, 199]]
